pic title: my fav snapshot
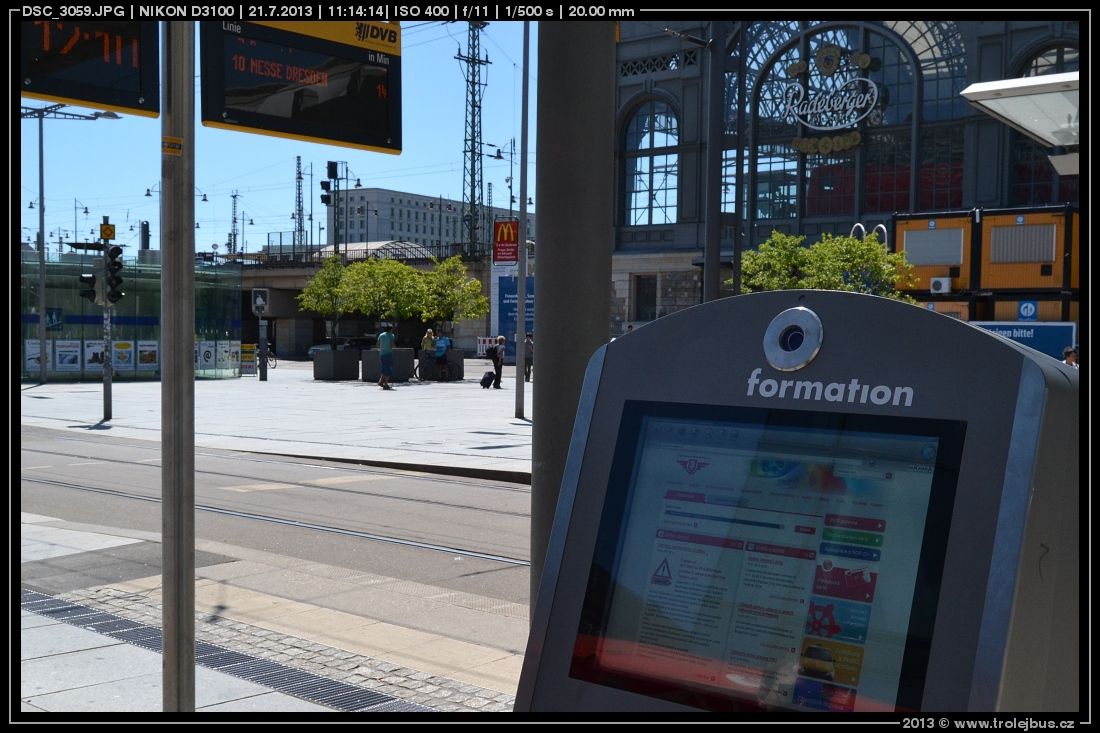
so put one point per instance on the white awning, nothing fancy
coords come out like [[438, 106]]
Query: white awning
[[1045, 108]]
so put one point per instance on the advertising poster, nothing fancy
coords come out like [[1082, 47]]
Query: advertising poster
[[224, 353], [93, 356], [30, 352], [148, 356], [248, 360], [67, 355], [55, 318], [206, 354], [506, 308], [506, 242], [123, 356]]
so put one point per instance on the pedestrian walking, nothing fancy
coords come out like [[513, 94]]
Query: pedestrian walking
[[528, 356], [498, 361], [385, 355]]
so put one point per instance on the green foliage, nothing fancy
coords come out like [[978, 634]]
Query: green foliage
[[325, 293], [390, 290], [450, 295], [835, 263], [384, 289]]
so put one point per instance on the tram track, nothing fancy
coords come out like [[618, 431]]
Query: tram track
[[366, 492], [310, 526]]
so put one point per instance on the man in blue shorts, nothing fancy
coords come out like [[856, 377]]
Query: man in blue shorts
[[385, 354]]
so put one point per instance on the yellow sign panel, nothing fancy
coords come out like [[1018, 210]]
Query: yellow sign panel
[[106, 231], [171, 146], [384, 36]]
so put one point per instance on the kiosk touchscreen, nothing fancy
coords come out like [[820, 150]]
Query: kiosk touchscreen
[[818, 519]]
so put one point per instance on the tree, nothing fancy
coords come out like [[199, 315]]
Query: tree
[[449, 295], [835, 263], [384, 289], [327, 294]]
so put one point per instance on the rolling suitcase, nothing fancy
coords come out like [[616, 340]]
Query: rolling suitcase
[[487, 380]]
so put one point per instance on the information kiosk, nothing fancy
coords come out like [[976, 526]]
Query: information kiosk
[[809, 500]]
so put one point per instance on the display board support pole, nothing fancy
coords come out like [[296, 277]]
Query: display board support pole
[[177, 393]]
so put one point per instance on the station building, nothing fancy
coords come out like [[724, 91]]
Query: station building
[[829, 125]]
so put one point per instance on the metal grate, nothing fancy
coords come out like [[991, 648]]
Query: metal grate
[[278, 677], [933, 247], [398, 706], [1023, 243]]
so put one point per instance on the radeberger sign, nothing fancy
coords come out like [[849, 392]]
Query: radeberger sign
[[838, 108]]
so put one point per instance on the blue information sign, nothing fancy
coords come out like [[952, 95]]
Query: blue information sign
[[1028, 310], [1047, 337], [507, 300]]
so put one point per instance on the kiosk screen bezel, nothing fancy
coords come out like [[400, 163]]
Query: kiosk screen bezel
[[615, 518]]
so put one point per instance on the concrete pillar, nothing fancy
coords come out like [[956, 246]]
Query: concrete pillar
[[575, 184]]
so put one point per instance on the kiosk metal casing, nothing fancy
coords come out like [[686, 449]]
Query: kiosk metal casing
[[770, 504]]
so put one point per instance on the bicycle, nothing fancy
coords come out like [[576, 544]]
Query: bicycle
[[272, 360]]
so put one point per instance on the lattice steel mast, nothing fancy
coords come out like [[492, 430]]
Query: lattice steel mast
[[472, 186]]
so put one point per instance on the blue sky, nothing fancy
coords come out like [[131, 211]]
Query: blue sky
[[107, 165]]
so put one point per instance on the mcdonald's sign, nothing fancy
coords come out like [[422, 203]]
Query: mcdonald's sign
[[506, 242]]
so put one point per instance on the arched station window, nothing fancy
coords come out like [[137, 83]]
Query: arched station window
[[652, 165]]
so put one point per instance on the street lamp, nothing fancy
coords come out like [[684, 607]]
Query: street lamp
[[75, 206], [52, 111], [511, 160]]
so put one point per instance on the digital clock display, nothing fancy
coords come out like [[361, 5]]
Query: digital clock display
[[97, 63], [287, 84]]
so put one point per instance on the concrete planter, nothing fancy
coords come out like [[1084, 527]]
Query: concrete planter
[[402, 365], [335, 366]]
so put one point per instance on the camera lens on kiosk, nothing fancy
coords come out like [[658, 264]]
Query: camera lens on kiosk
[[792, 338]]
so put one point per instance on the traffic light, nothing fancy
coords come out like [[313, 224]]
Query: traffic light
[[325, 199], [87, 288], [114, 281]]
